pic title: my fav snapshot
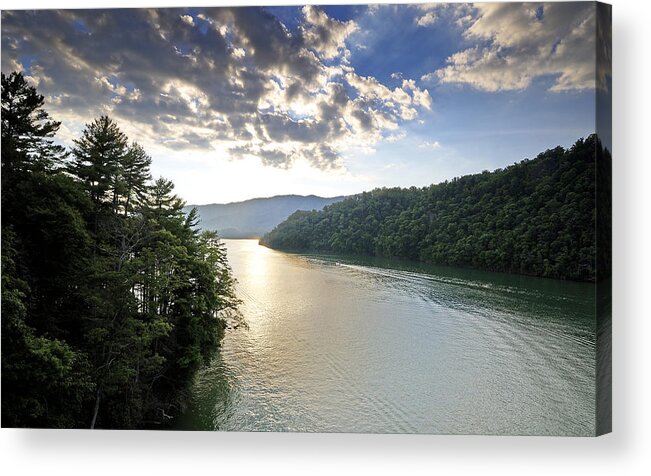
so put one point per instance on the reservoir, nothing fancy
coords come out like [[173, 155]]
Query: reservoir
[[341, 344]]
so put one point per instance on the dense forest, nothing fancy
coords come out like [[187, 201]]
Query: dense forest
[[111, 299], [536, 217]]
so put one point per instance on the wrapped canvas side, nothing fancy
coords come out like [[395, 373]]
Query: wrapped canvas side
[[604, 220]]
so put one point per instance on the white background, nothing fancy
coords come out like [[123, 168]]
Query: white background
[[626, 451]]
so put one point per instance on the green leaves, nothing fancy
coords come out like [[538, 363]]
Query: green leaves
[[97, 160], [111, 299], [27, 132]]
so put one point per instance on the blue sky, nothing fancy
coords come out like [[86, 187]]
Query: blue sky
[[239, 103]]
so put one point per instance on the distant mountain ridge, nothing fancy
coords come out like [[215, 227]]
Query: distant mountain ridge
[[255, 217]]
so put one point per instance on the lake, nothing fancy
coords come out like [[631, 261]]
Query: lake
[[335, 344]]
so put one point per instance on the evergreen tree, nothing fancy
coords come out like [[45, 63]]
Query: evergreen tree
[[27, 130], [111, 299], [97, 160], [45, 380], [135, 177]]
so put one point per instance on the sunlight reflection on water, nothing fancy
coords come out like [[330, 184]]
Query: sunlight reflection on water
[[343, 344]]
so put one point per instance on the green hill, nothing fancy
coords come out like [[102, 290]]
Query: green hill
[[536, 217]]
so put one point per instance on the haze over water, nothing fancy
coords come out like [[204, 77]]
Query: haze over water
[[339, 344]]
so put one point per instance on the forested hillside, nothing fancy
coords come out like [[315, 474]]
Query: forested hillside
[[536, 217], [111, 299], [253, 218]]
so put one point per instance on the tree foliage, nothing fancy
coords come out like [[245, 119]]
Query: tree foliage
[[111, 299], [27, 132], [536, 217]]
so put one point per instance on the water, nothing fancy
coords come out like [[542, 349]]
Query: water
[[366, 345]]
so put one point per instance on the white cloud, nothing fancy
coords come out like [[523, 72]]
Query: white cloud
[[430, 145], [428, 19], [396, 137], [518, 42], [325, 35], [187, 19], [429, 14]]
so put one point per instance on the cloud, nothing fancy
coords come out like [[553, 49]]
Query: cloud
[[604, 46], [514, 43], [396, 137], [430, 145], [231, 79], [325, 35], [188, 19], [428, 19], [428, 14]]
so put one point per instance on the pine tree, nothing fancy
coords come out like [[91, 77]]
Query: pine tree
[[27, 132], [111, 299], [135, 177], [97, 160], [45, 380]]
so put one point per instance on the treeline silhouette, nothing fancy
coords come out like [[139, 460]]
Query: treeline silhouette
[[536, 217], [111, 300]]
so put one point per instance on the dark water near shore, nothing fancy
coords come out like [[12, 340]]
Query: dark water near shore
[[369, 345]]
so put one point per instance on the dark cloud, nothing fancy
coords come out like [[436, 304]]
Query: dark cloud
[[233, 77]]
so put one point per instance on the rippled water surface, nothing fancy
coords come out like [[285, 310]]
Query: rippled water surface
[[366, 345]]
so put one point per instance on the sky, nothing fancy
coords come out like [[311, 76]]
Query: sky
[[237, 103]]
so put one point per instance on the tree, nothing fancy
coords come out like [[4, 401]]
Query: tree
[[45, 379], [111, 299], [133, 183], [536, 217], [98, 157], [27, 133], [27, 129]]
